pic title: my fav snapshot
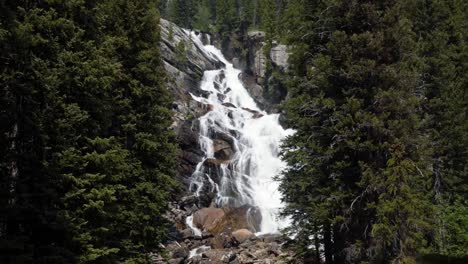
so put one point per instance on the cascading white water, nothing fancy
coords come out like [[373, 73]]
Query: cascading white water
[[255, 136]]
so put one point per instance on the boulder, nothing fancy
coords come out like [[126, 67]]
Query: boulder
[[245, 217], [221, 97], [256, 36], [222, 149], [187, 233], [180, 252], [241, 235], [208, 218], [188, 201]]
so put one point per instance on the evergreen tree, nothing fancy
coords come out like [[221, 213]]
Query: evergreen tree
[[86, 174], [358, 169], [182, 12], [202, 20], [442, 26]]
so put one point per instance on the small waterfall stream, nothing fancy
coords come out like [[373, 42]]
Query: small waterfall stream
[[246, 176]]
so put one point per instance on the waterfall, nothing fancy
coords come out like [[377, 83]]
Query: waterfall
[[247, 176]]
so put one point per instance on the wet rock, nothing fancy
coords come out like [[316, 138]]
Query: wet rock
[[222, 149], [231, 105], [200, 109], [204, 94], [213, 169], [217, 85], [226, 136], [256, 114], [249, 110], [206, 196], [221, 97], [241, 235], [188, 201], [238, 63], [230, 114], [221, 76]]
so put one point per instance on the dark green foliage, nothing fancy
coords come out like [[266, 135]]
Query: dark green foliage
[[87, 155], [202, 20], [181, 53], [378, 97], [182, 12], [443, 26], [359, 176]]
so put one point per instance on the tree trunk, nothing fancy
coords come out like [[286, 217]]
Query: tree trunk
[[327, 240]]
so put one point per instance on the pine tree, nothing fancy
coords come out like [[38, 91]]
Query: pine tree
[[442, 26], [202, 19], [86, 174], [358, 172], [182, 12]]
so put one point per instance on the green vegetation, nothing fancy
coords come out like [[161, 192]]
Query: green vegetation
[[378, 166], [87, 158], [181, 53]]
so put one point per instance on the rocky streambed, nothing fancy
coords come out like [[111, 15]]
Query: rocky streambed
[[225, 237]]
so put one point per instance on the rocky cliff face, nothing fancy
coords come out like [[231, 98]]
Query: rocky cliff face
[[248, 53], [185, 63], [227, 235]]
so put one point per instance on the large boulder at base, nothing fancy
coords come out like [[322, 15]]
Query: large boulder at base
[[208, 218], [245, 217], [241, 235], [222, 222]]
